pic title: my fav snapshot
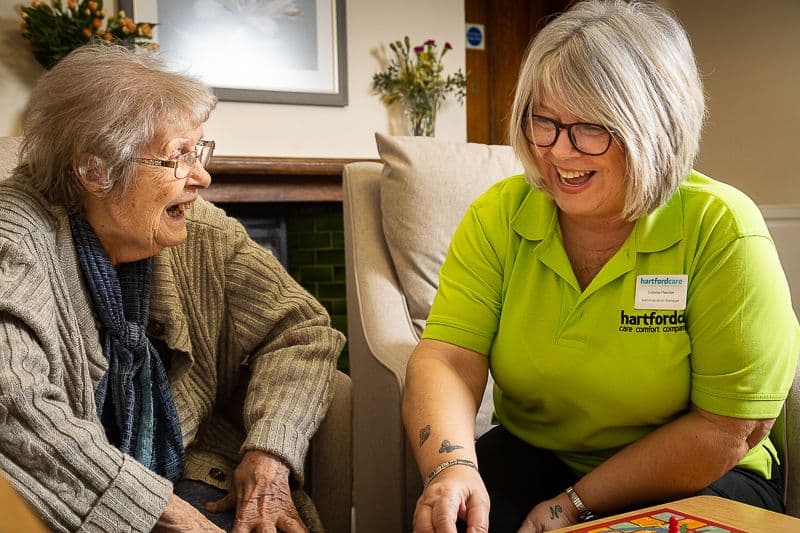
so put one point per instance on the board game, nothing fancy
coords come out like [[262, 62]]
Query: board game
[[659, 521]]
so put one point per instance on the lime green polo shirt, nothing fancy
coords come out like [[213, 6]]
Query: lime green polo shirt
[[585, 373]]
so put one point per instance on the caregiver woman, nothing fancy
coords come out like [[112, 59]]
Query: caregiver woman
[[632, 311]]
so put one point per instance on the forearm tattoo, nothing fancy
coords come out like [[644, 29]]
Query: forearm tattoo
[[424, 433], [447, 447], [554, 511]]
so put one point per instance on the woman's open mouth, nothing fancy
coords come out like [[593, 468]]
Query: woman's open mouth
[[574, 178], [178, 210]]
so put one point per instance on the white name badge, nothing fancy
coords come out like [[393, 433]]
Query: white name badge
[[661, 291]]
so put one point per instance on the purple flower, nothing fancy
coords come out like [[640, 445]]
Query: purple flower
[[429, 42], [419, 49], [448, 46]]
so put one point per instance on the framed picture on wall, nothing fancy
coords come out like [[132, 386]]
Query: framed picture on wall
[[269, 51]]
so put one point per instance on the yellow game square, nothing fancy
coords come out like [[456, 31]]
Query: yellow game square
[[692, 524], [648, 521], [600, 530]]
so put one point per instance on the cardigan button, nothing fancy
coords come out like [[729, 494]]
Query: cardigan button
[[216, 474]]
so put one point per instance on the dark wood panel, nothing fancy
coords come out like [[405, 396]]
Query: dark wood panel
[[478, 117], [279, 165], [492, 73], [508, 22], [292, 190], [276, 179]]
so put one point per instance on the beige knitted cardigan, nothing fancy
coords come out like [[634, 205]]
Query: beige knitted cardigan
[[227, 310]]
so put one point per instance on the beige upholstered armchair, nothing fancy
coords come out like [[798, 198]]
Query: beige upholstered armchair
[[329, 461], [399, 217]]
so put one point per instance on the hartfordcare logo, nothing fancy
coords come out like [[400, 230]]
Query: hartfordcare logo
[[652, 322], [660, 280]]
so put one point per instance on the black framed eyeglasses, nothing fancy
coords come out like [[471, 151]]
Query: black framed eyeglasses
[[587, 138], [185, 163]]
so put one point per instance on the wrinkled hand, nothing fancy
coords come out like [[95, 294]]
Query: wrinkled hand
[[458, 492], [181, 517], [550, 514], [261, 496]]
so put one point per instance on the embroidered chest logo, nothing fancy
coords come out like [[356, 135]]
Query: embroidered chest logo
[[652, 322]]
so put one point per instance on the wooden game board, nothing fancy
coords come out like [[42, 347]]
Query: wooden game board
[[657, 521]]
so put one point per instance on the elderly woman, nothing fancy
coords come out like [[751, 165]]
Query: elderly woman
[[146, 341], [632, 311]]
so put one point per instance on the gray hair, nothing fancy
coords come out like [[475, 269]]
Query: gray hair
[[630, 67], [105, 101]]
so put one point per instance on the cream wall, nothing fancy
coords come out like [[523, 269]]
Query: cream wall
[[288, 130], [749, 53], [18, 69]]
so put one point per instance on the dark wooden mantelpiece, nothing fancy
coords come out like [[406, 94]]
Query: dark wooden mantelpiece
[[276, 179]]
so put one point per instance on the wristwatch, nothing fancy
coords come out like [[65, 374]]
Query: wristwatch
[[584, 514]]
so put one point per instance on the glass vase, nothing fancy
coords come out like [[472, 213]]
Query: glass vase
[[420, 121]]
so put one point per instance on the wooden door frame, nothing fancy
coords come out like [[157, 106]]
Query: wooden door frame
[[492, 73]]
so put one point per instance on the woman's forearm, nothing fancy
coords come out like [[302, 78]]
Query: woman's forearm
[[676, 460], [440, 401]]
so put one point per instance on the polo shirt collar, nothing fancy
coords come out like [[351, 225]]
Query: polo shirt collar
[[536, 219], [536, 216], [661, 228]]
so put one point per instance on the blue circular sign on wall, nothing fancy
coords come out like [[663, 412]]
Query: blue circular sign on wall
[[474, 36]]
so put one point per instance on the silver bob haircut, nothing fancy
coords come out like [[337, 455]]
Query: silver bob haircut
[[105, 101], [630, 67]]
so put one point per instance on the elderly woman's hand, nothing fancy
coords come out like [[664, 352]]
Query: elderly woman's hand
[[453, 494], [261, 495], [550, 514], [181, 517]]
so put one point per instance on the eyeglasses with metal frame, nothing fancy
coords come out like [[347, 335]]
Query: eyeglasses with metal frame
[[184, 164], [587, 138]]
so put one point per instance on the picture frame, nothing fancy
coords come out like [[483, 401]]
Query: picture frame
[[266, 51]]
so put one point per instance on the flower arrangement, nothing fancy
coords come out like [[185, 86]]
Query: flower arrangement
[[414, 78], [55, 30]]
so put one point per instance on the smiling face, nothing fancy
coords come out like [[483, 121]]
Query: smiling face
[[590, 187], [150, 214]]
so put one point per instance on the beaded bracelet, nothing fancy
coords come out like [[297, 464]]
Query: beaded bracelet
[[445, 465]]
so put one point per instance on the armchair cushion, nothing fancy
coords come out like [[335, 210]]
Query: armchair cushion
[[426, 186]]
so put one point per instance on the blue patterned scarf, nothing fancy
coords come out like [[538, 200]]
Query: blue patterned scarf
[[133, 398]]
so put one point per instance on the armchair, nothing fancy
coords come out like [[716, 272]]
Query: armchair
[[329, 461], [399, 217]]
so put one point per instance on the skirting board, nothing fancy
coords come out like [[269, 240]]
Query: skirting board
[[783, 221]]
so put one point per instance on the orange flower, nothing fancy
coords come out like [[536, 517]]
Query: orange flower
[[108, 37], [72, 4], [97, 22], [86, 32], [128, 26], [92, 5], [144, 30]]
